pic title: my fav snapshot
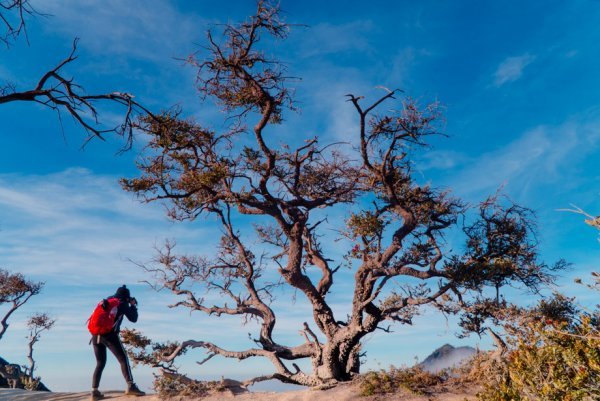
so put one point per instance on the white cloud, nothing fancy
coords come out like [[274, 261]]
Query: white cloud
[[512, 68]]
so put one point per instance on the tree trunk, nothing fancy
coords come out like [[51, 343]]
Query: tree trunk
[[30, 358], [340, 359]]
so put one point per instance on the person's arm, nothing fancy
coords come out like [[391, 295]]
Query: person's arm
[[131, 311]]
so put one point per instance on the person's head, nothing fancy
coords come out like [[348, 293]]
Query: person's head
[[123, 293]]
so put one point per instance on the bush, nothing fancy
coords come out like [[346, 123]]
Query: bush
[[414, 380], [549, 361]]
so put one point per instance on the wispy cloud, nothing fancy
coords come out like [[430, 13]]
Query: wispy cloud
[[152, 29], [511, 69], [325, 38], [441, 160], [540, 155], [54, 224]]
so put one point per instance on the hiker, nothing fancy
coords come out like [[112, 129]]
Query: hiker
[[105, 324]]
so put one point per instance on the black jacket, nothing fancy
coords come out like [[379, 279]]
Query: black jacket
[[125, 309]]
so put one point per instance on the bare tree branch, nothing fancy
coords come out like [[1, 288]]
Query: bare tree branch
[[59, 93], [12, 16]]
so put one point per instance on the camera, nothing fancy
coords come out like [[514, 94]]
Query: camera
[[133, 301]]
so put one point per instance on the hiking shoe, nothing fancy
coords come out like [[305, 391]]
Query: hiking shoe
[[132, 389], [97, 395]]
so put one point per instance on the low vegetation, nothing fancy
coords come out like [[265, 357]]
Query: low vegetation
[[413, 380], [550, 352], [549, 362], [169, 386], [553, 354]]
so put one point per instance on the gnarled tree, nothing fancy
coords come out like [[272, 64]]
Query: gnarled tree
[[394, 228]]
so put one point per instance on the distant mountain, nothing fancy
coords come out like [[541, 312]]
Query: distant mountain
[[445, 357]]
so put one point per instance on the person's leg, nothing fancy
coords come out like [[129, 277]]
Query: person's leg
[[115, 346], [113, 342], [100, 353]]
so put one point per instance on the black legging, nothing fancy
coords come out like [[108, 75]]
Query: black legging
[[113, 343]]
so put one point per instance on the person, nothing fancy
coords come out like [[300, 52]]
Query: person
[[128, 308]]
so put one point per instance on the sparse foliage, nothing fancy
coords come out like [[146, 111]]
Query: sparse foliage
[[550, 353], [552, 350], [142, 350], [170, 383], [394, 232], [37, 324], [15, 291]]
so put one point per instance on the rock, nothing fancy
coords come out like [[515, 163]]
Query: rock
[[11, 376]]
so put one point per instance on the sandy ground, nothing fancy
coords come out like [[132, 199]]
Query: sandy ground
[[341, 393]]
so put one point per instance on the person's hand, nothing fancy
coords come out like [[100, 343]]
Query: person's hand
[[132, 301]]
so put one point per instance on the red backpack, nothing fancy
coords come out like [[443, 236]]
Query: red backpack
[[102, 319]]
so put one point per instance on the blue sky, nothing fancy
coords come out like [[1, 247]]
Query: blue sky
[[518, 80]]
